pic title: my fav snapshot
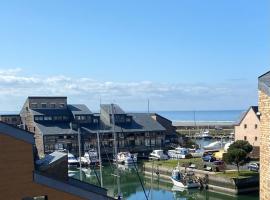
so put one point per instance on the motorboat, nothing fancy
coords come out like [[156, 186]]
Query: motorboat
[[126, 158], [178, 153], [184, 180], [158, 155], [227, 145], [217, 145], [91, 157], [72, 161]]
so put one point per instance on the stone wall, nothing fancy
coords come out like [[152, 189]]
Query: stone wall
[[264, 108]]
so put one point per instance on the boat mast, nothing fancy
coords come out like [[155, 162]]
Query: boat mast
[[100, 161], [79, 146], [115, 151]]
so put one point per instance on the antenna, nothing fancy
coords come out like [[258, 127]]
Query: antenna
[[148, 105]]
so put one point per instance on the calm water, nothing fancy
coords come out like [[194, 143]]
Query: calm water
[[228, 115], [132, 190]]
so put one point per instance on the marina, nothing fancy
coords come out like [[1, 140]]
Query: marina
[[159, 189]]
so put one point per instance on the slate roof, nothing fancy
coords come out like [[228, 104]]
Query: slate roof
[[53, 128], [50, 112], [141, 122], [107, 108], [264, 83], [79, 109], [243, 115]]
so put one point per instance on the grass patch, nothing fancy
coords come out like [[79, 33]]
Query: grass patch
[[173, 163], [234, 174]]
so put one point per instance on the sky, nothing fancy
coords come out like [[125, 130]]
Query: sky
[[181, 55]]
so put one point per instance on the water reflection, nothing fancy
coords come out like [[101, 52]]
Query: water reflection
[[131, 188]]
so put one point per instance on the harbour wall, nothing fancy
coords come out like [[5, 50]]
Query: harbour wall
[[211, 180]]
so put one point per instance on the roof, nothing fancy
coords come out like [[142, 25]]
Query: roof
[[17, 133], [243, 115], [264, 83], [79, 109], [47, 97], [141, 122], [51, 158], [9, 115], [50, 112], [108, 108], [55, 128]]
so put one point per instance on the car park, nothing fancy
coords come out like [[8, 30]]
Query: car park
[[208, 158], [254, 167]]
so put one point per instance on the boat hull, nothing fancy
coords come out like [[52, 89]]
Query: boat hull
[[189, 185]]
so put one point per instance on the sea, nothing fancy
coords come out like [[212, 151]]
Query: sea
[[217, 115]]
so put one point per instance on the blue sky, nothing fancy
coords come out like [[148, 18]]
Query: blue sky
[[182, 55]]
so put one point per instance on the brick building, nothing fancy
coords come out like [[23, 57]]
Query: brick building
[[23, 179], [264, 109]]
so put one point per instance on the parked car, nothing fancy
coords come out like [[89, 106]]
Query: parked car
[[254, 167], [208, 158], [216, 166]]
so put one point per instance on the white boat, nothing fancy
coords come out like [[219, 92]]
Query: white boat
[[91, 157], [227, 145], [196, 153], [126, 158], [72, 161], [186, 180], [214, 146], [178, 153], [158, 155]]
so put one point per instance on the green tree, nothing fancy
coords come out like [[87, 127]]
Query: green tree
[[236, 156], [237, 153], [241, 144]]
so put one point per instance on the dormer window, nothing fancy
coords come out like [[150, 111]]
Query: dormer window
[[43, 105], [47, 118], [61, 105], [33, 105], [52, 105]]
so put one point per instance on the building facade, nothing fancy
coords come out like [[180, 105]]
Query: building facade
[[248, 127], [56, 126], [13, 119], [21, 180], [264, 109]]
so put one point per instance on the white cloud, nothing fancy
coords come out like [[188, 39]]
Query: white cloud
[[179, 96]]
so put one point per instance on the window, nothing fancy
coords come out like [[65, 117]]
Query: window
[[59, 146], [245, 137], [256, 126], [43, 105], [62, 105], [52, 105], [33, 105], [38, 118], [95, 121], [83, 117], [245, 125], [65, 118], [256, 138], [47, 118]]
